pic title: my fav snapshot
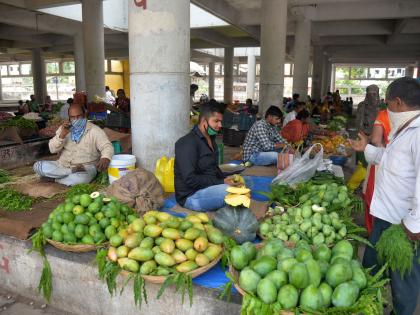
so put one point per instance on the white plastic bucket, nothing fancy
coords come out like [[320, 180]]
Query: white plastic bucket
[[120, 165]]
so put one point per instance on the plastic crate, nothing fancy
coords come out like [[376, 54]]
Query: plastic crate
[[233, 137], [118, 120]]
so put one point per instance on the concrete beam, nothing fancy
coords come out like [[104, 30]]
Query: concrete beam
[[211, 36], [350, 28], [38, 21], [352, 40], [398, 9], [398, 29], [43, 4], [223, 10]]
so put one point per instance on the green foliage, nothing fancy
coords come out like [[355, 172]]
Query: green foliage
[[139, 290], [45, 282], [81, 189], [12, 200], [101, 179], [396, 249], [4, 176], [108, 271], [182, 282], [228, 244], [38, 242]]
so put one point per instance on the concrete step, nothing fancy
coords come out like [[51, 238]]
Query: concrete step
[[77, 289]]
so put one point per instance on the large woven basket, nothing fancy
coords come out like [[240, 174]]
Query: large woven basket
[[77, 248], [195, 273]]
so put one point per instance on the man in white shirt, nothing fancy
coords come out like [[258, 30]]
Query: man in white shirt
[[396, 199], [109, 98], [292, 115]]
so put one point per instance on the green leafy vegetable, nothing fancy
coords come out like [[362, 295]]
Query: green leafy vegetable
[[182, 282], [81, 189], [396, 249], [45, 282], [4, 176], [12, 200]]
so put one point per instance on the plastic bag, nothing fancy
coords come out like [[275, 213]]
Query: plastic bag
[[358, 176], [164, 172], [302, 169]]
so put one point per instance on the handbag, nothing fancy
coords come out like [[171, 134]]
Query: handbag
[[285, 158]]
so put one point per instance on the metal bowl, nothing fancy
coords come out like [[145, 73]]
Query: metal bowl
[[231, 168]]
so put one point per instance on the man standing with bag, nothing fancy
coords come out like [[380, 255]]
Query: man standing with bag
[[396, 199]]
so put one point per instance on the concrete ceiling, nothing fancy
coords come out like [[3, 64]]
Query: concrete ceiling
[[387, 30]]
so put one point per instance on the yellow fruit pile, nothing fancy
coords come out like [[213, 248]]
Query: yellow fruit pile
[[331, 144], [159, 243]]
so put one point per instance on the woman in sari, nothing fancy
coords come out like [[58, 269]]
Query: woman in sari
[[379, 138]]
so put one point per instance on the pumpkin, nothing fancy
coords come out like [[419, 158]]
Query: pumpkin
[[236, 222]]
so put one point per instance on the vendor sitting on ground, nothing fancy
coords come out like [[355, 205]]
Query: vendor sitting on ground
[[298, 129], [83, 147], [263, 140], [199, 183]]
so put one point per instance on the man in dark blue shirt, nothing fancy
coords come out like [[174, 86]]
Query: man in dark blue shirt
[[199, 183]]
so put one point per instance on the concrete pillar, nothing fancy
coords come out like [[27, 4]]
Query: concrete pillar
[[409, 71], [159, 46], [1, 90], [93, 38], [79, 62], [228, 75], [326, 76], [211, 80], [317, 72], [250, 77], [273, 51], [302, 49], [38, 74]]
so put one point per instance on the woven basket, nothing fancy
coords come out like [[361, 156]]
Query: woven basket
[[195, 273], [78, 248]]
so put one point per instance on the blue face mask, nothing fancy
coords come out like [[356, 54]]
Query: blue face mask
[[78, 127]]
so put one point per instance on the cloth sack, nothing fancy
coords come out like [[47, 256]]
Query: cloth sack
[[139, 189]]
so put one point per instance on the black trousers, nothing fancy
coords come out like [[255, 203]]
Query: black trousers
[[405, 291]]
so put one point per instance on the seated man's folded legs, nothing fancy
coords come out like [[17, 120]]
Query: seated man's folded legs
[[83, 177], [51, 169], [264, 158], [207, 199]]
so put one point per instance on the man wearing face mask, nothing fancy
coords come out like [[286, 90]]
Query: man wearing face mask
[[368, 110], [84, 149], [199, 183], [396, 199]]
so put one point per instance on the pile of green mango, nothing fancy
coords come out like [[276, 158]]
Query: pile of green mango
[[311, 278], [87, 219], [160, 244]]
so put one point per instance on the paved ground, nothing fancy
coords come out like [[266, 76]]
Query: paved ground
[[12, 304]]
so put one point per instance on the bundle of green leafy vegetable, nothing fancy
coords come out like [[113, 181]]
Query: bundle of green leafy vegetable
[[395, 249], [81, 189], [12, 200], [20, 122]]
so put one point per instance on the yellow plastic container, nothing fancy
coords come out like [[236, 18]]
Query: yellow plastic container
[[357, 178], [164, 172]]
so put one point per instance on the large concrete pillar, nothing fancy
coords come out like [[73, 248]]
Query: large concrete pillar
[[302, 50], [211, 80], [250, 77], [93, 39], [38, 74], [273, 51], [326, 75], [79, 62], [317, 72], [159, 52], [418, 69], [228, 75]]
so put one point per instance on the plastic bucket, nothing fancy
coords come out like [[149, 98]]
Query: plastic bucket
[[120, 165]]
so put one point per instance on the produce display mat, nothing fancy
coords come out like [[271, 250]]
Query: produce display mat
[[22, 224], [270, 171], [36, 189]]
